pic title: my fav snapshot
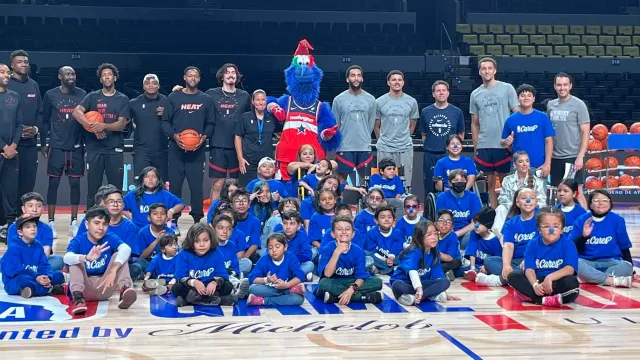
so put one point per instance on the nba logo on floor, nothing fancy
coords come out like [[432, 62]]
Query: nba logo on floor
[[15, 309]]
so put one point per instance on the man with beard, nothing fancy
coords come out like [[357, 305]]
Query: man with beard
[[355, 112], [104, 141], [149, 141], [65, 152], [188, 108], [10, 134]]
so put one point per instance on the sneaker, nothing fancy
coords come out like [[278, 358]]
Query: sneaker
[[73, 228], [309, 277], [488, 280], [330, 299], [52, 225], [228, 300], [373, 298], [154, 283], [553, 300], [407, 299], [3, 233], [243, 288], [450, 275], [180, 301], [26, 292], [79, 306], [470, 275], [212, 300], [622, 281], [57, 290], [298, 289], [159, 291], [127, 297], [521, 297], [465, 262], [442, 297], [176, 230], [253, 300]]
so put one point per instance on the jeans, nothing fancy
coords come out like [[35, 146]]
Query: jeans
[[314, 252], [493, 265], [567, 286], [273, 296], [430, 288], [15, 285], [245, 265], [56, 262], [307, 267], [464, 240], [597, 271], [382, 266]]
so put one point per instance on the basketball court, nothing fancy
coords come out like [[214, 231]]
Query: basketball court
[[488, 323]]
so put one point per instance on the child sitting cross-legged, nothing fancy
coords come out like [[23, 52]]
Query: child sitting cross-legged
[[384, 242], [298, 242], [160, 273], [148, 239]]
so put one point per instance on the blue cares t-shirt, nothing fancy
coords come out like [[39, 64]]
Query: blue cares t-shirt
[[140, 211], [570, 216], [519, 232], [607, 240], [81, 245], [390, 187], [431, 269], [482, 248], [439, 125], [463, 208], [546, 259], [445, 165], [529, 133]]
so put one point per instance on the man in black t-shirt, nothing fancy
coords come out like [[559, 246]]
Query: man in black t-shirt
[[149, 141], [65, 152], [104, 141], [188, 108]]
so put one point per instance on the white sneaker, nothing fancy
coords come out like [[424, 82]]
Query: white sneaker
[[442, 297], [73, 228], [309, 277], [52, 225], [622, 281], [407, 299], [465, 262], [488, 280]]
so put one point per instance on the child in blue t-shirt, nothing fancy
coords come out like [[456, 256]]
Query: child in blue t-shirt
[[320, 222], [274, 224], [462, 203], [383, 242], [454, 160], [229, 186], [365, 220], [309, 205], [261, 205], [387, 180], [482, 243], [277, 277], [222, 226], [147, 241], [247, 223], [236, 236], [568, 203], [407, 223], [266, 173], [298, 242], [310, 181], [550, 262], [160, 273], [448, 244]]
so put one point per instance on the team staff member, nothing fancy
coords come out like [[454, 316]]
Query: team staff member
[[65, 152], [149, 141], [188, 108], [253, 137], [10, 134], [31, 105], [104, 141]]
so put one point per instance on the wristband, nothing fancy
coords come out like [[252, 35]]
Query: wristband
[[266, 281]]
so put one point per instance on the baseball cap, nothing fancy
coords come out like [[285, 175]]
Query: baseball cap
[[151, 77], [265, 160], [25, 219], [485, 216]]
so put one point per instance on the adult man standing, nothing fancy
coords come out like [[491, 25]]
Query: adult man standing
[[397, 115], [65, 152], [438, 121], [490, 106], [570, 118], [150, 143], [355, 112]]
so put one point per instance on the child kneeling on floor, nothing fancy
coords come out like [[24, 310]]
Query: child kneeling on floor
[[160, 273], [25, 268]]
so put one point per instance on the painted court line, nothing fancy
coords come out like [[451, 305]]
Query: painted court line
[[458, 344]]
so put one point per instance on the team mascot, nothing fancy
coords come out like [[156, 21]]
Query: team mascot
[[307, 120]]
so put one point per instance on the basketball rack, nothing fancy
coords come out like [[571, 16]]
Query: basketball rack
[[617, 142]]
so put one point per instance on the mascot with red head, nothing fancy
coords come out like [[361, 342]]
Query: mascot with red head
[[306, 119]]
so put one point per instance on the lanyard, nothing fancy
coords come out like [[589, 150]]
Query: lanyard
[[260, 128]]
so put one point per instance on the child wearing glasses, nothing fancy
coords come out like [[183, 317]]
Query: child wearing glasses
[[448, 244]]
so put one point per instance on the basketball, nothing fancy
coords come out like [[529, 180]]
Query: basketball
[[632, 160], [635, 128], [595, 145], [625, 180], [498, 184], [600, 132], [190, 139], [593, 183], [611, 182], [619, 128], [93, 117], [611, 161], [594, 164], [636, 181]]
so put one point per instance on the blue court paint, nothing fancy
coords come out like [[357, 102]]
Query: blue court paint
[[432, 306], [459, 345], [318, 304], [241, 309], [389, 306], [165, 307]]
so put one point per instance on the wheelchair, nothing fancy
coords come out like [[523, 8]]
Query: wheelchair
[[370, 171], [430, 211]]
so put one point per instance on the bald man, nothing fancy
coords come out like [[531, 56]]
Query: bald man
[[65, 152]]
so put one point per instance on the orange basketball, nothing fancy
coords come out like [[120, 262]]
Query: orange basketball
[[632, 160], [190, 139], [595, 145], [619, 128], [635, 128], [611, 161], [593, 183], [636, 181], [93, 117], [625, 180], [600, 132], [498, 184], [605, 144], [594, 164], [611, 182]]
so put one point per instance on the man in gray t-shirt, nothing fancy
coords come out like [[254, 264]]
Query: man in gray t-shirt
[[355, 112], [397, 116]]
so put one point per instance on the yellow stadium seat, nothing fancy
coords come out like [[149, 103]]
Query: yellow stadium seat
[[632, 51], [625, 30], [521, 39], [496, 28], [606, 40], [545, 50], [596, 50], [486, 39], [463, 28], [572, 40], [494, 50], [635, 40], [503, 39], [470, 39], [479, 28], [538, 39], [560, 29], [590, 39], [511, 50], [576, 29], [545, 29], [610, 29], [555, 39], [579, 50], [512, 29], [529, 29], [477, 50], [593, 29], [528, 50], [562, 50], [623, 40], [614, 51]]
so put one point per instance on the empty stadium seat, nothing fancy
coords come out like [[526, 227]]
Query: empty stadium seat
[[636, 29], [524, 39], [590, 39], [596, 50], [635, 40], [562, 50], [610, 30], [477, 50], [632, 51], [538, 39], [613, 51], [494, 50], [579, 50], [606, 40], [560, 29], [545, 50], [496, 28], [470, 39], [463, 28], [555, 39], [576, 29], [512, 29], [486, 39], [529, 29], [594, 30], [623, 40], [545, 29], [503, 39], [528, 50], [512, 50], [479, 28], [625, 30], [572, 40]]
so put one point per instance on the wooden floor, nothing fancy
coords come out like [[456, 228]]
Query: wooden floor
[[485, 324]]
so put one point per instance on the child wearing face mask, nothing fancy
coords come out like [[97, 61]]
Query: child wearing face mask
[[407, 223], [453, 161]]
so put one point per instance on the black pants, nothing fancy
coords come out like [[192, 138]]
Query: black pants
[[9, 172], [189, 164], [451, 265], [97, 166], [521, 284], [428, 163], [180, 289], [143, 158], [28, 168], [251, 174]]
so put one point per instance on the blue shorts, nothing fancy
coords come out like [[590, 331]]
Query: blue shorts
[[490, 161], [350, 160]]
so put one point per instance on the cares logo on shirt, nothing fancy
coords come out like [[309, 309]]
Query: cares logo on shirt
[[461, 214], [523, 128], [97, 264], [33, 268], [599, 241], [548, 264], [423, 272], [524, 237], [344, 272], [481, 255], [197, 274], [567, 229]]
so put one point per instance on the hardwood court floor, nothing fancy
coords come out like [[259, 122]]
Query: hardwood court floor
[[485, 324]]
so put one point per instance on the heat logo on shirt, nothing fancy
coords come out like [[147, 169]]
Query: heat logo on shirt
[[548, 264], [522, 128], [198, 274], [524, 237], [461, 214], [190, 106], [344, 272], [599, 241]]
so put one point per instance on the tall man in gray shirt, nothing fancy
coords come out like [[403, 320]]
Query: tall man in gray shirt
[[570, 118], [397, 116], [490, 106], [355, 112]]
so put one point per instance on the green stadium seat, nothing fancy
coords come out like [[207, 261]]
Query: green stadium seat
[[606, 40], [632, 51], [477, 50], [479, 28], [555, 39], [463, 28], [512, 50], [614, 51], [512, 29], [503, 39], [635, 40], [576, 29], [590, 39], [579, 50], [496, 28], [545, 50], [486, 39], [610, 29], [560, 29], [636, 29], [522, 39], [625, 30], [529, 29], [593, 29], [545, 29], [623, 40], [572, 40], [494, 50], [528, 50], [538, 39], [596, 50], [562, 50], [471, 39]]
